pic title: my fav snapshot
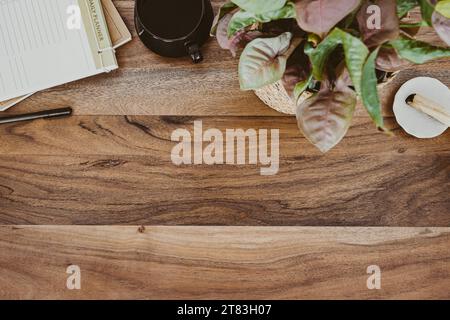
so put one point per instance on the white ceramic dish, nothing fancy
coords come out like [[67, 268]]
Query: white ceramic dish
[[417, 123]]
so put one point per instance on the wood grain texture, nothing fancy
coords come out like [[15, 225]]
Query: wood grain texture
[[110, 165], [117, 170], [224, 263], [151, 136], [146, 84]]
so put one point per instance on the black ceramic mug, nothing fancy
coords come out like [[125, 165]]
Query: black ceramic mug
[[174, 28]]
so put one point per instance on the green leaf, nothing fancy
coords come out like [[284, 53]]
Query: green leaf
[[325, 117], [443, 7], [260, 6], [404, 26], [223, 11], [263, 61], [241, 39], [221, 31], [389, 23], [298, 67], [301, 87], [418, 52], [369, 89], [404, 6], [243, 19], [320, 16], [388, 60], [355, 55], [441, 25], [427, 10]]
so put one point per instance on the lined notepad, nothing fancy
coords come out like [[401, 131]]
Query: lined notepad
[[38, 50]]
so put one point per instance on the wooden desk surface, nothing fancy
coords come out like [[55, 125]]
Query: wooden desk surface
[[77, 191]]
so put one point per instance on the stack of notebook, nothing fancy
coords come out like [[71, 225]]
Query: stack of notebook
[[46, 43]]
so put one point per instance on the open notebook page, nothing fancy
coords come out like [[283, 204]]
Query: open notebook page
[[39, 51]]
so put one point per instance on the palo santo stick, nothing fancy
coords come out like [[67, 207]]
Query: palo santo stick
[[429, 107]]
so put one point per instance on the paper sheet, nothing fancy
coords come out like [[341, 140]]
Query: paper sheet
[[119, 36], [38, 50]]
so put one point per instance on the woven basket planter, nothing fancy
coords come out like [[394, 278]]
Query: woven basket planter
[[276, 97]]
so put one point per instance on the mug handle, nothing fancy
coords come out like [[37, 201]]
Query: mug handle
[[194, 51]]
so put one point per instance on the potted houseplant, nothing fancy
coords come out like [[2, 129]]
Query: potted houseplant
[[315, 57]]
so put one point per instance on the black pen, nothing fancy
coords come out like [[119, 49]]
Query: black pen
[[54, 113]]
